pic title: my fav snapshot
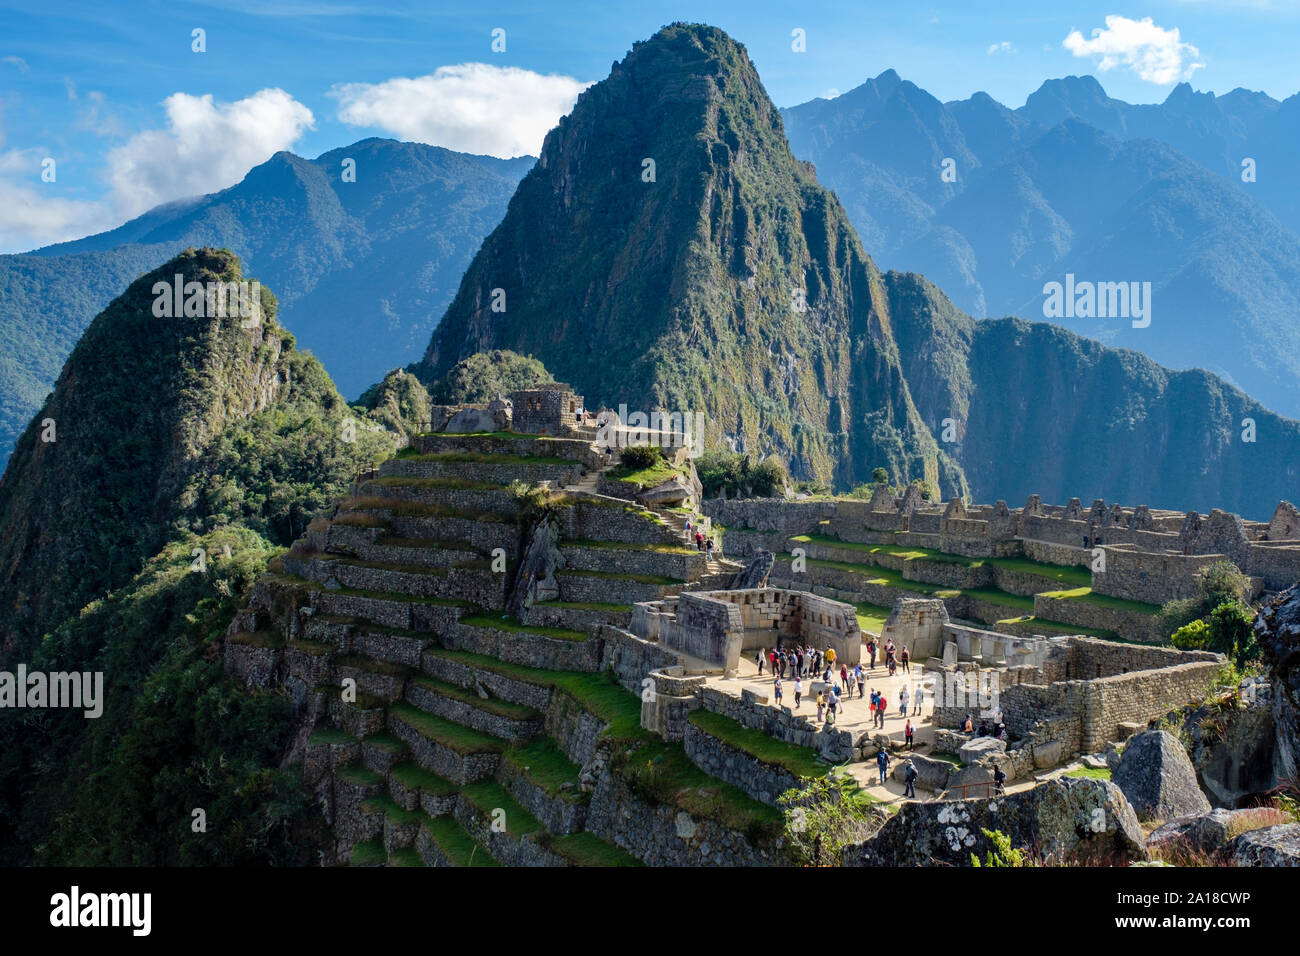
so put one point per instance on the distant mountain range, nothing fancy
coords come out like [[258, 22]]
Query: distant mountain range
[[362, 269], [993, 203], [678, 291]]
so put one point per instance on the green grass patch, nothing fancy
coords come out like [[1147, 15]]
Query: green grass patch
[[493, 705], [406, 856], [1091, 773], [626, 546], [587, 849], [386, 742], [510, 624], [871, 617], [656, 579], [947, 756], [585, 605], [1086, 595], [329, 735], [388, 807], [485, 458], [369, 853], [414, 777], [457, 845], [360, 775], [489, 796], [800, 761], [656, 474], [463, 740], [545, 765], [1052, 627]]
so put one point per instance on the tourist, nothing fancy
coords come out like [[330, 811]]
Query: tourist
[[967, 725], [905, 659], [771, 659], [830, 720], [798, 691], [832, 702], [699, 541], [907, 734], [709, 554], [916, 701], [759, 659], [882, 763], [881, 707], [871, 649], [776, 691], [909, 779], [821, 704], [999, 779], [862, 687], [902, 702], [844, 676]]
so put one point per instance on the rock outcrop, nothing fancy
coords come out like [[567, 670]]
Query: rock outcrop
[[1274, 846], [755, 573], [1158, 778], [1063, 820], [1278, 631]]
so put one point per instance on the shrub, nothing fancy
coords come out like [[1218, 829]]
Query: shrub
[[637, 457]]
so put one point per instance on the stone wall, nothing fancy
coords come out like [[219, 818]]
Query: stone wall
[[1150, 578]]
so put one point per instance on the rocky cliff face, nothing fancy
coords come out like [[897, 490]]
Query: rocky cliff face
[[1278, 631], [1040, 410], [669, 251]]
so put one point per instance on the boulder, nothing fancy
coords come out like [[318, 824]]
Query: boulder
[[1272, 846], [1205, 832], [755, 573], [1064, 820], [472, 420], [977, 748], [1278, 631], [1158, 778]]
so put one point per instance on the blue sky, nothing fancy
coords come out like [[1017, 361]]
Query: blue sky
[[114, 93]]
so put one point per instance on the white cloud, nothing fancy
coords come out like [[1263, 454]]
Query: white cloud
[[996, 48], [470, 107], [17, 62], [34, 213], [206, 146], [1155, 54]]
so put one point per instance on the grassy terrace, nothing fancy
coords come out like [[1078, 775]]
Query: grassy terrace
[[406, 856], [1052, 627], [359, 775], [391, 596], [413, 509], [386, 742], [584, 605], [587, 849], [1090, 773], [505, 623], [488, 796], [1086, 596], [388, 807], [800, 761], [871, 617], [460, 484], [1073, 575], [453, 736], [545, 765], [656, 474], [626, 546], [329, 735], [369, 853], [414, 777], [657, 771], [457, 845], [482, 458], [492, 705], [615, 576]]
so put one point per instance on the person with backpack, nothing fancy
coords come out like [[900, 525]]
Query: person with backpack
[[699, 540], [909, 779], [999, 780], [882, 763], [881, 708]]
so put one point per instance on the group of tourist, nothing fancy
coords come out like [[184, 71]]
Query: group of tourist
[[893, 658], [997, 728], [836, 686], [706, 543]]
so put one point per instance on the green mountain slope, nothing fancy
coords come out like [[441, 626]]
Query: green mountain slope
[[1042, 410], [362, 269], [682, 290]]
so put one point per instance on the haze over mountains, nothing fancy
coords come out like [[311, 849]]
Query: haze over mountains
[[362, 269], [1078, 183]]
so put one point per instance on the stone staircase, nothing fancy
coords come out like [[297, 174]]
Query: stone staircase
[[438, 730]]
